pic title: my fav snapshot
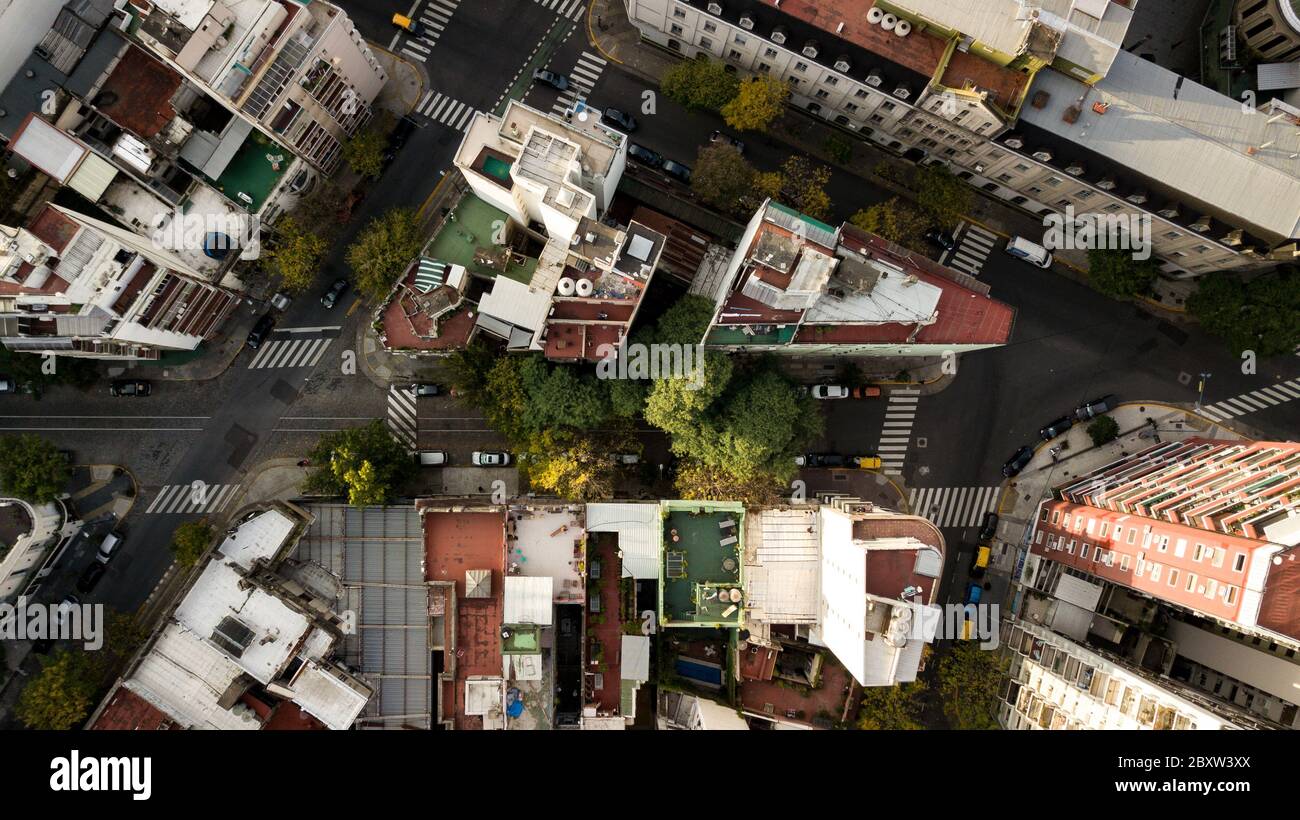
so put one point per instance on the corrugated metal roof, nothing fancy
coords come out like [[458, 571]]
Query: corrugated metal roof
[[639, 534]]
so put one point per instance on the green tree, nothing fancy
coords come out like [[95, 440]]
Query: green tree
[[296, 254], [1102, 430], [42, 371], [366, 464], [32, 468], [1119, 275], [804, 186], [364, 152], [696, 481], [944, 197], [61, 696], [575, 467], [190, 540], [892, 708], [685, 321], [897, 220], [321, 209], [467, 370], [384, 250], [758, 102], [1262, 315], [699, 84], [722, 178], [969, 679]]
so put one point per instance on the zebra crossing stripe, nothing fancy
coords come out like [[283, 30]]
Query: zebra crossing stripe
[[413, 54], [175, 499], [419, 45], [1255, 400], [402, 418], [953, 506]]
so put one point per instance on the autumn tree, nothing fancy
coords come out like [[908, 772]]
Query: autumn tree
[[758, 102], [969, 680], [62, 694], [364, 151], [384, 250], [296, 254], [892, 708], [897, 220], [366, 464], [803, 187], [942, 196]]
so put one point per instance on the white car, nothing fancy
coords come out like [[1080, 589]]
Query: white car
[[830, 391], [490, 458]]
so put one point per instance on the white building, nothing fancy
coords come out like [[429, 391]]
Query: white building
[[21, 563]]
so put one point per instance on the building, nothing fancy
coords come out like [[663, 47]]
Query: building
[[1035, 103], [34, 536], [1180, 560], [1270, 28], [801, 287], [71, 285], [249, 646]]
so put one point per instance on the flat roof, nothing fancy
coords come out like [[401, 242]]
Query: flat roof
[[143, 88]]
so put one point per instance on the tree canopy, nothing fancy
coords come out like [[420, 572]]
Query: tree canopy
[[1117, 274], [1262, 315], [190, 540], [942, 196], [31, 468], [1103, 429], [969, 680], [803, 186], [62, 694], [893, 708], [366, 464], [296, 253], [897, 220], [758, 102], [700, 84], [364, 151], [384, 250]]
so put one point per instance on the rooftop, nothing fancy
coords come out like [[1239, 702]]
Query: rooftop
[[141, 90], [547, 543], [702, 549]]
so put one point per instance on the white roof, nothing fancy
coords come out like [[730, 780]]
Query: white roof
[[189, 13], [260, 537], [634, 658], [516, 303], [895, 298], [782, 566], [326, 698], [714, 715], [527, 600], [49, 149], [185, 677], [639, 534]]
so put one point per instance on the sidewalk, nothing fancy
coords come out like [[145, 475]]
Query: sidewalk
[[406, 82], [619, 42]]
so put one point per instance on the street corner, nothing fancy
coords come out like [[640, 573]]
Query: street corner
[[102, 491], [407, 83]]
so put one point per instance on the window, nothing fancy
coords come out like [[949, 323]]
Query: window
[[1172, 235], [674, 28], [1211, 587], [770, 52], [850, 107], [1118, 532], [679, 14], [1123, 563], [1173, 577], [733, 54], [1053, 181], [861, 93], [1180, 549], [1085, 194], [887, 106], [1191, 582], [1198, 552], [1155, 573], [1230, 595], [710, 27], [1083, 550], [1239, 562], [1056, 516], [829, 80], [705, 42], [764, 67], [1105, 528], [1070, 547], [800, 66], [739, 40], [1131, 533], [1164, 544], [822, 93], [1217, 555]]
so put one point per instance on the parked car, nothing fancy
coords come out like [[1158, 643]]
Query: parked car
[[281, 301], [407, 24], [625, 458], [679, 172], [490, 458], [989, 527], [867, 462], [64, 611], [398, 137], [940, 238], [426, 389], [130, 388], [719, 138], [108, 547], [644, 155], [90, 576], [557, 81], [7, 385], [830, 391], [826, 460], [1018, 461], [1094, 408], [616, 118], [866, 391], [973, 593], [980, 561], [336, 291], [431, 458], [261, 330], [1055, 428], [1031, 252]]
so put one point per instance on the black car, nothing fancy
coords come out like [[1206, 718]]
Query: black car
[[644, 155], [557, 81], [261, 330], [989, 527], [616, 118], [719, 138], [1018, 461], [1094, 408], [821, 460], [90, 576], [336, 291], [398, 136], [7, 385], [941, 239], [132, 388], [1056, 428], [426, 389], [679, 172]]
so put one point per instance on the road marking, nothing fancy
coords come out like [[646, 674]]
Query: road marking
[[433, 19], [571, 9], [1253, 401], [290, 353], [190, 499], [896, 433], [582, 79], [448, 111], [974, 244], [403, 420], [953, 506], [324, 329]]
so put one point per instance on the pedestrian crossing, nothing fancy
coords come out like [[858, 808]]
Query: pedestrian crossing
[[571, 9], [433, 18], [582, 79], [402, 418], [192, 499], [974, 244], [446, 110], [289, 352], [1260, 399], [953, 506], [896, 434]]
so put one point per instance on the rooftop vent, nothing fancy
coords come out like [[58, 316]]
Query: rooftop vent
[[874, 15]]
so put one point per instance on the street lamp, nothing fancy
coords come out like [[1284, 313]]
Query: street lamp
[[1205, 377]]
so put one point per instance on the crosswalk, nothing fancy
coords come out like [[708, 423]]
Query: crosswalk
[[953, 506], [896, 434], [434, 18], [1260, 399], [571, 9], [974, 244], [289, 352], [402, 418], [192, 499], [444, 109], [581, 80]]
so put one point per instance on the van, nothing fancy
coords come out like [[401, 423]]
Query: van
[[107, 547], [431, 458], [1031, 252]]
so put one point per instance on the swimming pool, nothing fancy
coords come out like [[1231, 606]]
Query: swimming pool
[[497, 168], [705, 673]]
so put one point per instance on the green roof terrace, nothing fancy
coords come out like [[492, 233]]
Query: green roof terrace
[[702, 548], [467, 239]]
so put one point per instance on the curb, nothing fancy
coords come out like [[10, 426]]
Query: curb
[[591, 37], [423, 77]]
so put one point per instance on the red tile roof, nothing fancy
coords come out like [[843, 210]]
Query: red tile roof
[[53, 228], [144, 88], [128, 711]]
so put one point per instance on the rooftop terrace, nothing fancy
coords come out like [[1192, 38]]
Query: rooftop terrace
[[702, 584]]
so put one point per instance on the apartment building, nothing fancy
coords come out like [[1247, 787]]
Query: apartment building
[[1034, 103], [71, 285], [298, 71], [1270, 28], [798, 286]]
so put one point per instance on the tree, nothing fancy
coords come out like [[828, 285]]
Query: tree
[[722, 177], [364, 152], [897, 220], [384, 250], [891, 708], [32, 469], [1119, 275], [190, 540], [685, 321], [366, 464], [696, 481], [941, 195], [467, 370], [1102, 430], [699, 84], [571, 466], [61, 696], [804, 186], [296, 255], [43, 370], [758, 102], [321, 209], [969, 680], [1262, 315]]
